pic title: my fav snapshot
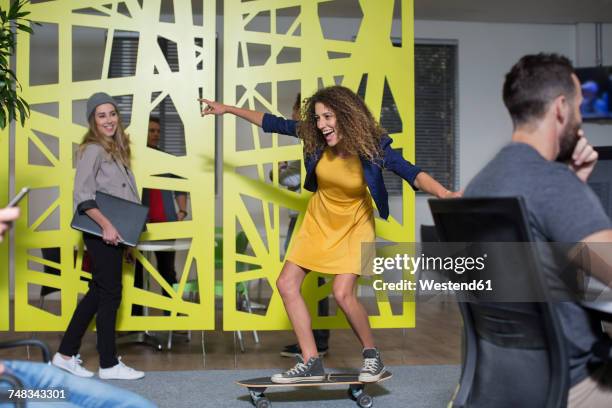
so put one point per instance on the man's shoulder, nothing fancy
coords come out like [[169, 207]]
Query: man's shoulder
[[519, 168]]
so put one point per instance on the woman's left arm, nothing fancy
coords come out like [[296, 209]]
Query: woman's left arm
[[425, 182]]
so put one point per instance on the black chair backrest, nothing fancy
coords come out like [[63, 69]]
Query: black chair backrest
[[429, 233], [514, 352]]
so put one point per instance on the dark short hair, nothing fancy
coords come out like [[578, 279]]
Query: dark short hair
[[534, 82], [154, 119]]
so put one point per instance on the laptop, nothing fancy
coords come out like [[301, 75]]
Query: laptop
[[128, 217]]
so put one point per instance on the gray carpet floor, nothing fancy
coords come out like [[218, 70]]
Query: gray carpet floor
[[411, 386]]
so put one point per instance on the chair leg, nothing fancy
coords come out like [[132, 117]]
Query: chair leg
[[169, 345], [203, 350], [259, 290], [247, 302], [238, 334], [192, 298]]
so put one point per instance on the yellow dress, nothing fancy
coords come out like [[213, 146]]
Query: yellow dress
[[338, 219]]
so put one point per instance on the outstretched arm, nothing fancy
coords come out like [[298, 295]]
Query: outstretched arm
[[425, 182], [269, 123], [217, 108]]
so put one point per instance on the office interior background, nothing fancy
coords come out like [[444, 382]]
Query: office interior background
[[462, 50]]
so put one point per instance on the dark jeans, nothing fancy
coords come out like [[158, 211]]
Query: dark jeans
[[102, 300], [165, 266], [321, 335]]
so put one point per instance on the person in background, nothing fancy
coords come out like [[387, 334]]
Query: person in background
[[103, 164], [161, 209]]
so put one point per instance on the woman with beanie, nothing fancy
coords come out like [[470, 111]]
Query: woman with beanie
[[103, 164]]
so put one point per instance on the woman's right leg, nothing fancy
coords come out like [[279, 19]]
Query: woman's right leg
[[102, 300], [107, 270], [289, 284], [82, 316]]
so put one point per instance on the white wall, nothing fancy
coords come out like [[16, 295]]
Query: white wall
[[486, 52], [598, 134]]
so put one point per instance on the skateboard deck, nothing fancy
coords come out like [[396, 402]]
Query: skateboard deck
[[356, 392], [331, 379]]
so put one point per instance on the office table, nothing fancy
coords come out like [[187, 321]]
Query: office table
[[147, 248]]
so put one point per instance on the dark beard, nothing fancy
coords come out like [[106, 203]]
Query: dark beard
[[568, 141]]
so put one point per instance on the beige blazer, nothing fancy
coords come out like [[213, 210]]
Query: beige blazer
[[96, 170]]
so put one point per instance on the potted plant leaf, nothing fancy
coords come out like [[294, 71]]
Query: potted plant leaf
[[11, 104]]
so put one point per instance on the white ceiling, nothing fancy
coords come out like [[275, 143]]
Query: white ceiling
[[516, 11], [505, 11]]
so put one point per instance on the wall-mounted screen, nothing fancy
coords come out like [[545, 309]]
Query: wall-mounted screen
[[596, 84]]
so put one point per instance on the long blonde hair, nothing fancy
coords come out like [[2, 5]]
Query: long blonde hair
[[360, 132], [118, 147]]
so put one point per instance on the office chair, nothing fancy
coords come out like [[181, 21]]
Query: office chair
[[429, 233], [513, 352], [429, 247]]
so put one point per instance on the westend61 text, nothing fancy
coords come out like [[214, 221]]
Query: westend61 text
[[410, 263], [429, 285]]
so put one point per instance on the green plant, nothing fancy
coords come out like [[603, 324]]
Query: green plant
[[10, 102]]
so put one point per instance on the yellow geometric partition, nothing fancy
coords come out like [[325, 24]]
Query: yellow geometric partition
[[53, 134], [269, 46]]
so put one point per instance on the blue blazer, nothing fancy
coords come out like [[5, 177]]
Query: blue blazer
[[372, 172]]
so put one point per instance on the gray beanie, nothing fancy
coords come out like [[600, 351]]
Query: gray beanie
[[96, 100]]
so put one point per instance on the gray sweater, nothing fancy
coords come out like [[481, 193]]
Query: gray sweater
[[96, 170]]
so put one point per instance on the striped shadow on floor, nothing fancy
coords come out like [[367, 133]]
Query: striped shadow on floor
[[411, 386]]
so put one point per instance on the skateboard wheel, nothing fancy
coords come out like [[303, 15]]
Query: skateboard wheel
[[355, 391], [263, 403], [365, 401]]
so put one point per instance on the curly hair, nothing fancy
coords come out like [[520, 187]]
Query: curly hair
[[354, 122], [118, 147]]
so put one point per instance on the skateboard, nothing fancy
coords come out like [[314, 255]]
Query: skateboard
[[356, 390]]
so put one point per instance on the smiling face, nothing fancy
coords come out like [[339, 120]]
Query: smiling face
[[107, 119], [326, 122]]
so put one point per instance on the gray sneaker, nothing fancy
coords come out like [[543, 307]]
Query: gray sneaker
[[373, 367], [310, 371]]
